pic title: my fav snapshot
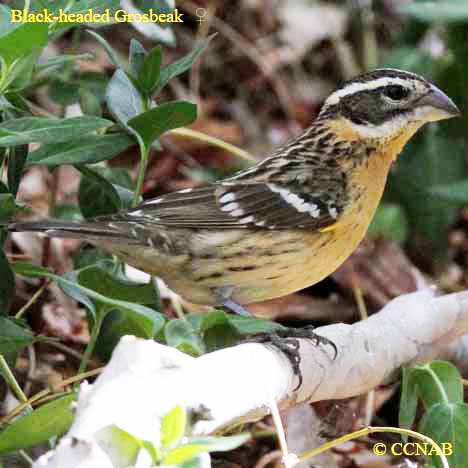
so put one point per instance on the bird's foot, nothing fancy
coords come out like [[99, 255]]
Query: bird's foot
[[236, 308], [286, 340]]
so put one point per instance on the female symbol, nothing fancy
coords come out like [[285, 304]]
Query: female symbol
[[201, 13]]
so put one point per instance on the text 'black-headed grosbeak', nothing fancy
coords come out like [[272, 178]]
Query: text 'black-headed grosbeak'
[[288, 221]]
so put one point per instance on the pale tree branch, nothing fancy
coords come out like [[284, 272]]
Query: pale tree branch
[[144, 379]]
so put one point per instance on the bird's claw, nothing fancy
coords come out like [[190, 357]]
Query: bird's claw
[[286, 340]]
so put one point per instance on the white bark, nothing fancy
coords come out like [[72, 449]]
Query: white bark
[[144, 379]]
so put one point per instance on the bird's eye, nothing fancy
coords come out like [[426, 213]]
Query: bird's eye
[[396, 92]]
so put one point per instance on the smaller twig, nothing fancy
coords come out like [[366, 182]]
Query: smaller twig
[[31, 369], [65, 349], [361, 304], [346, 59], [47, 398], [369, 408], [92, 342], [26, 457], [53, 189], [35, 109], [40, 395], [13, 383], [189, 133], [268, 458], [33, 299], [358, 294], [178, 307], [370, 430], [252, 52], [144, 155], [288, 459], [13, 256], [369, 40], [203, 31]]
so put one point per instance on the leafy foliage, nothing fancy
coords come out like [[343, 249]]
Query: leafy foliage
[[439, 386], [177, 447], [51, 419]]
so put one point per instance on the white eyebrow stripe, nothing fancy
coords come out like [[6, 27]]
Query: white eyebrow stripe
[[356, 87]]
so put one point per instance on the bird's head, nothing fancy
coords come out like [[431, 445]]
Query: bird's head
[[388, 103]]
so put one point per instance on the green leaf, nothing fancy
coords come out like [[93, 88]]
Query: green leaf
[[152, 124], [9, 207], [60, 60], [438, 382], [72, 289], [66, 212], [126, 197], [221, 444], [21, 71], [252, 326], [173, 426], [156, 31], [449, 11], [96, 83], [89, 255], [116, 324], [180, 334], [196, 462], [13, 337], [123, 99], [448, 423], [7, 283], [456, 192], [63, 92], [127, 444], [102, 281], [18, 41], [109, 49], [91, 150], [118, 176], [6, 26], [182, 65], [152, 450], [16, 162], [408, 400], [41, 130], [198, 445], [51, 419], [30, 270], [148, 75], [96, 195], [143, 318], [89, 102], [217, 330], [182, 454], [136, 58], [390, 221]]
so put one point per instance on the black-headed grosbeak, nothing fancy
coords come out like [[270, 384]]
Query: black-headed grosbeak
[[288, 221]]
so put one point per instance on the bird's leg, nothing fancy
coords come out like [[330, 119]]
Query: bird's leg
[[236, 308], [286, 340], [224, 297]]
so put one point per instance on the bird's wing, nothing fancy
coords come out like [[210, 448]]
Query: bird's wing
[[232, 204]]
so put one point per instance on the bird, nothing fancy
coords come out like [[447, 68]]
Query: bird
[[284, 223]]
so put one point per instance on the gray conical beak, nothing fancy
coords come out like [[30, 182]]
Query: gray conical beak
[[438, 105]]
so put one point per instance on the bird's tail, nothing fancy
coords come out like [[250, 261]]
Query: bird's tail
[[92, 230]]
